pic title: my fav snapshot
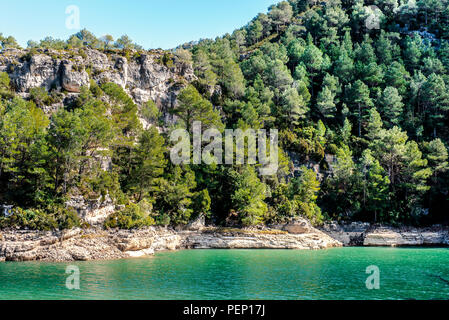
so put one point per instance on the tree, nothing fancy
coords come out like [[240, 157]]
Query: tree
[[22, 151], [327, 98], [413, 51], [193, 107], [255, 32], [5, 87], [386, 50], [326, 104], [396, 76], [108, 40], [304, 192], [437, 156], [278, 75], [248, 197], [413, 178], [148, 163], [293, 107], [174, 194], [375, 185], [360, 101], [391, 106], [374, 125], [435, 102], [312, 59], [8, 42], [344, 67], [281, 14], [340, 189], [124, 42], [87, 38], [389, 148]]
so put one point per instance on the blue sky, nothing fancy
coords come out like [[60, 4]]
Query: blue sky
[[151, 23]]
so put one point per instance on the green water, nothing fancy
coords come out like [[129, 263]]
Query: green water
[[240, 274]]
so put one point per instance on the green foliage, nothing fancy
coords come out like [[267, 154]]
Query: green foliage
[[375, 99], [193, 107], [248, 197], [174, 195], [133, 216], [35, 219]]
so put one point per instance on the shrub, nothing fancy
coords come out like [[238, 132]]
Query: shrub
[[41, 97], [133, 216], [58, 218]]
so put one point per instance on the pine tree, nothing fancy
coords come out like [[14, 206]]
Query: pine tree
[[391, 106], [148, 163], [360, 100], [248, 197]]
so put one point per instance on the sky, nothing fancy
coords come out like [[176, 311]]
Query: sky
[[151, 23]]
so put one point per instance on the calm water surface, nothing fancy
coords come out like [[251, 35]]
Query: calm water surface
[[240, 274]]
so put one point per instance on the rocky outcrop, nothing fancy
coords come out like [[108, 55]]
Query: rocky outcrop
[[364, 234], [383, 236], [72, 80], [260, 240], [143, 76], [350, 234], [96, 244], [296, 226], [95, 211]]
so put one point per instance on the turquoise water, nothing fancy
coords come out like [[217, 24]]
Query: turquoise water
[[339, 273]]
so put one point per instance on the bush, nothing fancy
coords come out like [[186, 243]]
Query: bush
[[37, 219], [133, 216], [41, 97]]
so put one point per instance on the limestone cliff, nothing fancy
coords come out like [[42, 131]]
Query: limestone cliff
[[364, 234], [97, 244], [143, 76]]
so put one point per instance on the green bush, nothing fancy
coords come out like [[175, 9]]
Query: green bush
[[37, 219], [41, 97], [133, 216]]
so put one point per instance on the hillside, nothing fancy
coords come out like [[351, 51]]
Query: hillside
[[358, 93]]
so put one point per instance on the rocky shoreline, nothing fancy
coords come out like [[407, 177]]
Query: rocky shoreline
[[99, 244], [364, 234]]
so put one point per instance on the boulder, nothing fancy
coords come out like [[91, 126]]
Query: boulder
[[72, 80], [298, 226]]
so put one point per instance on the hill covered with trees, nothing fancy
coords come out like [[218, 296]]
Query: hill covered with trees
[[357, 89]]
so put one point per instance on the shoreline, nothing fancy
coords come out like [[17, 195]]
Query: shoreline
[[97, 244], [104, 245]]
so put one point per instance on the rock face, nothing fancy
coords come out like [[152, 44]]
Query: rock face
[[363, 234], [92, 244], [143, 76], [407, 237], [351, 234], [72, 80], [94, 212]]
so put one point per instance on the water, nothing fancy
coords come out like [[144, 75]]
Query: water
[[339, 273]]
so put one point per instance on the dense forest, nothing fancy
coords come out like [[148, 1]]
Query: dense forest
[[367, 104]]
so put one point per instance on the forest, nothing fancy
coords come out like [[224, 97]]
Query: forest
[[367, 104]]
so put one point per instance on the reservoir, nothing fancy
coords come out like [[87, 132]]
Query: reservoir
[[335, 274]]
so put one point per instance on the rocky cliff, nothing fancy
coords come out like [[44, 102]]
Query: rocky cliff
[[364, 234], [96, 244], [143, 76]]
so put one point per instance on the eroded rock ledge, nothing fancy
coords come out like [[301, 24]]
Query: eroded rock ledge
[[364, 234], [91, 244]]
